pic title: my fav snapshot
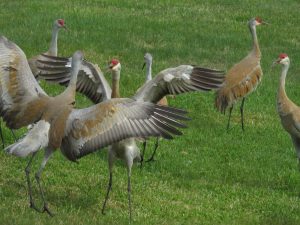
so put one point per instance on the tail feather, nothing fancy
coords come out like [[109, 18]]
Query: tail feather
[[35, 139], [226, 97]]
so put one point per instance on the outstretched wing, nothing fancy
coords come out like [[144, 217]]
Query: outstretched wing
[[181, 79], [90, 82], [114, 120], [20, 93]]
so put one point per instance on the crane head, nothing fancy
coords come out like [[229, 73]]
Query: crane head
[[148, 59], [257, 21], [114, 65], [282, 59], [60, 23], [77, 57]]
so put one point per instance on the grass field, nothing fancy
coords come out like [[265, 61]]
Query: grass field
[[207, 176]]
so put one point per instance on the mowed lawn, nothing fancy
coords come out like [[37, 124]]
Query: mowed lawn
[[206, 176]]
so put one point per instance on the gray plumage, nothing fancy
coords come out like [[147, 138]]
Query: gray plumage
[[90, 82]]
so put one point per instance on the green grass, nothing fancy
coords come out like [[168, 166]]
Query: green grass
[[207, 176]]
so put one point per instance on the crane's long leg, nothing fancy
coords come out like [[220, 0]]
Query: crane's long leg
[[48, 153], [154, 152], [111, 159], [129, 192], [27, 172], [13, 133], [107, 192], [1, 135], [143, 153], [242, 113], [229, 117]]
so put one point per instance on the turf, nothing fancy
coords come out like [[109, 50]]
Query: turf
[[207, 176]]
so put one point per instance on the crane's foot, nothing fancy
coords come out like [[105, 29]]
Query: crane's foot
[[47, 210], [141, 162], [33, 206], [151, 159]]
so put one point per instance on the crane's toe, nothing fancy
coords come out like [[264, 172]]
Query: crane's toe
[[46, 209]]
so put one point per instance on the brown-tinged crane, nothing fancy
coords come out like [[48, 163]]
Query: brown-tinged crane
[[242, 78], [288, 111]]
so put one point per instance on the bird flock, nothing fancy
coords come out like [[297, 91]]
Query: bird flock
[[112, 121]]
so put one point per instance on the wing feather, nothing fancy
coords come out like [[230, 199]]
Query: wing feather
[[100, 125], [90, 82], [178, 80], [21, 95]]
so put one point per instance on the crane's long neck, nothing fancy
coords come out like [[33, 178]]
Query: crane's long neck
[[148, 71], [70, 91], [53, 44], [255, 47], [281, 97], [115, 84]]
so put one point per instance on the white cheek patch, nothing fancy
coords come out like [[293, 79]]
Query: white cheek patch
[[168, 77]]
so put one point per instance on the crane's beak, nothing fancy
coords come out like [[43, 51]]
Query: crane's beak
[[265, 23], [144, 65], [274, 63], [65, 27], [109, 67]]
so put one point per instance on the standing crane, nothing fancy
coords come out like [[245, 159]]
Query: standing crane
[[184, 78], [77, 132], [288, 111], [177, 80], [164, 101], [242, 78], [57, 25]]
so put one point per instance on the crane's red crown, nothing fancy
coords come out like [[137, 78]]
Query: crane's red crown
[[114, 62], [283, 55], [258, 19], [61, 22]]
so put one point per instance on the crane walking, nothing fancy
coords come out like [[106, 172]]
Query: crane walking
[[242, 78]]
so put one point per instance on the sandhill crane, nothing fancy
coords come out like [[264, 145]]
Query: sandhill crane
[[52, 51], [242, 78], [201, 79], [77, 132], [177, 80], [288, 111], [164, 101]]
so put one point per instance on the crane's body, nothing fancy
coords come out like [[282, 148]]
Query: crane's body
[[242, 79], [288, 111]]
